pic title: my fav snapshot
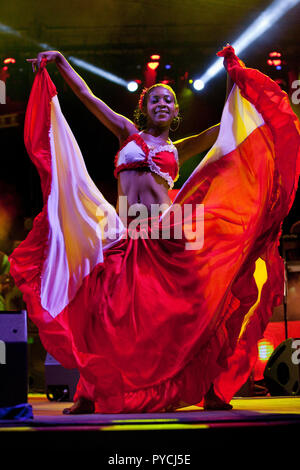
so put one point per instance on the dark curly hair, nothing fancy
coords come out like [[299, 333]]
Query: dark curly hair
[[140, 114]]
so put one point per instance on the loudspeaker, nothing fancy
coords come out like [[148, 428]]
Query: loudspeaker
[[13, 358], [282, 371], [61, 383]]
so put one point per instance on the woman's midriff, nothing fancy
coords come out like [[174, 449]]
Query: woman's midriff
[[142, 187]]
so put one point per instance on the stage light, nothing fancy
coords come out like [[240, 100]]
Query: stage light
[[264, 21], [155, 57], [168, 66], [9, 60], [274, 54], [81, 63], [278, 67], [274, 62], [45, 46], [265, 350], [98, 71], [198, 84], [132, 86], [7, 29], [153, 65]]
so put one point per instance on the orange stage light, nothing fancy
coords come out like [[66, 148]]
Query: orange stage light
[[9, 60], [153, 65]]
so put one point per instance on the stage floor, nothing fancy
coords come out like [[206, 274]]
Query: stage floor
[[42, 407], [255, 424]]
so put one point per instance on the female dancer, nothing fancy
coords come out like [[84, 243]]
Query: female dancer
[[158, 109], [149, 323]]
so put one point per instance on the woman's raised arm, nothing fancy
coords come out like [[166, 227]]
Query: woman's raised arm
[[195, 144], [191, 146], [116, 123]]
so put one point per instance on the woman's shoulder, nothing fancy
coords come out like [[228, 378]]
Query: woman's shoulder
[[134, 139], [128, 133]]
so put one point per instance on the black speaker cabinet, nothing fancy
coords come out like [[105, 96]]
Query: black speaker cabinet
[[13, 358], [61, 383], [282, 371]]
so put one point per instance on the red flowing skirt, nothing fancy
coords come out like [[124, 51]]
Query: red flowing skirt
[[148, 322]]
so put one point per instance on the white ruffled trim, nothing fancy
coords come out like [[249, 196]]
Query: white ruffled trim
[[155, 168]]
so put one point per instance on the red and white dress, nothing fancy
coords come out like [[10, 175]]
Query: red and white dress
[[147, 322]]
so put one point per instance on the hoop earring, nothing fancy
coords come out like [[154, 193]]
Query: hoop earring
[[177, 121]]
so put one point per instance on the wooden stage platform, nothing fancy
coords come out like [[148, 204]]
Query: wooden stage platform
[[265, 426]]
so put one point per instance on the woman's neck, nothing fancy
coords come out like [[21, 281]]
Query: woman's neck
[[162, 134]]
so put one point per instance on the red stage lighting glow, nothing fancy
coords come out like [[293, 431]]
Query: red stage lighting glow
[[274, 62], [153, 65], [155, 57], [9, 60], [275, 54]]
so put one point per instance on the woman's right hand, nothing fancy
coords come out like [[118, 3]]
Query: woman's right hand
[[50, 56]]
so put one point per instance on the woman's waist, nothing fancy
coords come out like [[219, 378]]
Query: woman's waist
[[144, 203], [142, 187]]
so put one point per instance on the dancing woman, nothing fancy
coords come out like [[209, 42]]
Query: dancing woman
[[150, 324], [157, 112]]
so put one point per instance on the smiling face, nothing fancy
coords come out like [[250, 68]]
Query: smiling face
[[161, 106]]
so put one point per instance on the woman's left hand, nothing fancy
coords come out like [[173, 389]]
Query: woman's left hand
[[225, 62]]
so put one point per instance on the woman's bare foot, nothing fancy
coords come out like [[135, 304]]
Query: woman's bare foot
[[213, 402], [81, 406], [171, 408]]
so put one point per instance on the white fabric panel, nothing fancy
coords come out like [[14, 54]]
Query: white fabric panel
[[82, 222], [239, 120]]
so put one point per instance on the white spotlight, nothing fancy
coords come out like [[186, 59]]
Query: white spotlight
[[132, 86], [45, 46], [98, 71], [7, 29], [198, 84], [263, 22], [81, 63]]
